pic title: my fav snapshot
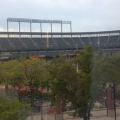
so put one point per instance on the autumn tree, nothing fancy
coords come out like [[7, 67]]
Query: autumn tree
[[36, 77]]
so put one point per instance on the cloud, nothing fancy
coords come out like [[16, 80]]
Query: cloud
[[87, 15], [2, 29]]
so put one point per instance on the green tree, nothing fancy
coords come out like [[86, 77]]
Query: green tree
[[106, 70], [72, 84], [11, 73], [63, 73], [63, 77], [12, 109], [82, 97]]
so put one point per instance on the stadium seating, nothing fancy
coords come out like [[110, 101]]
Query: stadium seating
[[66, 43]]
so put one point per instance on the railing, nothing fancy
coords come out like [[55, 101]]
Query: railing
[[59, 34]]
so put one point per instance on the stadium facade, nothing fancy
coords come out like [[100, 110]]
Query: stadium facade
[[52, 44]]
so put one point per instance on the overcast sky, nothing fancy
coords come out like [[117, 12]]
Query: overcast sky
[[86, 15]]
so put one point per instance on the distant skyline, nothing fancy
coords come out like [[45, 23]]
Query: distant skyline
[[86, 15]]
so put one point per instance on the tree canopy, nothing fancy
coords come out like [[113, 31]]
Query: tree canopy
[[12, 109]]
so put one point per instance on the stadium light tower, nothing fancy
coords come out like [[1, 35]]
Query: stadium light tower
[[39, 21]]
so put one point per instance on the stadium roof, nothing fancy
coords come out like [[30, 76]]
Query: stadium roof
[[59, 33]]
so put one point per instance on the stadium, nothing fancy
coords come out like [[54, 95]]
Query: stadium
[[84, 84], [51, 44]]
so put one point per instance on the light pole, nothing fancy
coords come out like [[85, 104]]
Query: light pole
[[114, 96]]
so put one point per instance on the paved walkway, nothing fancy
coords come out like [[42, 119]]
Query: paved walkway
[[97, 115]]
